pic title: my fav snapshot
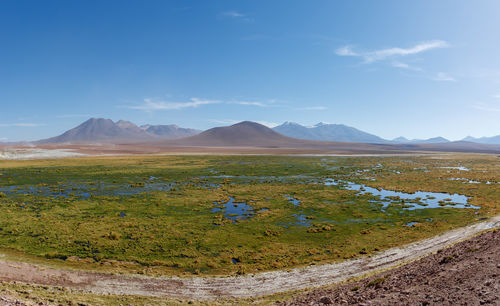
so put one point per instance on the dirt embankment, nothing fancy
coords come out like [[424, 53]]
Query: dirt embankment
[[465, 274]]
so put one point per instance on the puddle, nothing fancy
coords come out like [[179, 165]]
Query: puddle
[[411, 224], [235, 211], [292, 200], [301, 219], [460, 168], [417, 200], [465, 180]]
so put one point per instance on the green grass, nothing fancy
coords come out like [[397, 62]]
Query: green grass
[[165, 232]]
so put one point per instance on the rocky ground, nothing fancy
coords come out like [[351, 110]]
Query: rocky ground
[[8, 301], [465, 274]]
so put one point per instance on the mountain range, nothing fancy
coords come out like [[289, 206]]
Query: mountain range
[[430, 140], [343, 133], [106, 130], [485, 140], [98, 129], [327, 132]]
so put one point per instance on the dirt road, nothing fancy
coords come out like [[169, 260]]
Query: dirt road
[[252, 285]]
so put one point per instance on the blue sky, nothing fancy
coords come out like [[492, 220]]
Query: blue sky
[[412, 68]]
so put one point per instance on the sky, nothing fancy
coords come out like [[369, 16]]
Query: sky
[[417, 69]]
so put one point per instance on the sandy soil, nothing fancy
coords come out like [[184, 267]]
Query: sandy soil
[[252, 285], [36, 153], [43, 151], [466, 274]]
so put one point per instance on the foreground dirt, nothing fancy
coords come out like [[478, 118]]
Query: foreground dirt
[[465, 274], [253, 285]]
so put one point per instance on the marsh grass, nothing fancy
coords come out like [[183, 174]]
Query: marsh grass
[[175, 231]]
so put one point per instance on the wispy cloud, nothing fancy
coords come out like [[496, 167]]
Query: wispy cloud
[[312, 108], [497, 96], [249, 103], [402, 65], [487, 108], [443, 77], [3, 138], [346, 51], [383, 54], [150, 105], [22, 124], [235, 15]]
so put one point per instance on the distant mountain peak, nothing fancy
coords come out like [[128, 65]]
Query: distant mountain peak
[[401, 139], [290, 123], [438, 139], [327, 132], [321, 124], [245, 133], [125, 123], [484, 140]]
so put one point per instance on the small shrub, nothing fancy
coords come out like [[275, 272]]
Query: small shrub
[[318, 228], [447, 259], [376, 283]]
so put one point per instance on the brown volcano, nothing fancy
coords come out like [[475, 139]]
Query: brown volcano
[[245, 133]]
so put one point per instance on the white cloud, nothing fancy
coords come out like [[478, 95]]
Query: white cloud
[[346, 51], [385, 53], [312, 108], [405, 66], [250, 103], [150, 105], [233, 14], [443, 77], [483, 107], [4, 138], [382, 54], [20, 124], [497, 96]]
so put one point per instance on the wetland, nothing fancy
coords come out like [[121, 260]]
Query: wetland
[[224, 215]]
